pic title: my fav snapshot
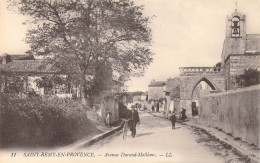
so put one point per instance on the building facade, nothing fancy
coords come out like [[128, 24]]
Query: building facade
[[156, 90], [240, 50], [23, 74]]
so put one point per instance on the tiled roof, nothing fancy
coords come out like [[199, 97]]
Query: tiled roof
[[19, 57], [28, 66], [157, 84]]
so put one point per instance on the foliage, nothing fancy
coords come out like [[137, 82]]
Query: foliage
[[250, 77], [176, 93], [83, 35], [14, 84], [123, 111], [218, 64], [41, 122], [49, 81]]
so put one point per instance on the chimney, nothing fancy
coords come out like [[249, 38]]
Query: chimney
[[6, 59]]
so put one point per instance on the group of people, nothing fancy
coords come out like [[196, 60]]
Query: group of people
[[134, 119], [155, 105]]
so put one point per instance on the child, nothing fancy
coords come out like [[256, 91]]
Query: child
[[108, 118], [173, 120]]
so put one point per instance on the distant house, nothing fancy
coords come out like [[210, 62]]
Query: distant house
[[140, 97], [7, 58], [136, 98], [144, 96], [156, 90]]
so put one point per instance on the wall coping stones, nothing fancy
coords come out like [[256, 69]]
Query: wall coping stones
[[245, 89]]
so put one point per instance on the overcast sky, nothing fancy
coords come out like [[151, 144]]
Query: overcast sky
[[185, 33]]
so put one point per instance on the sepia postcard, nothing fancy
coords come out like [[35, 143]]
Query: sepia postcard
[[165, 81]]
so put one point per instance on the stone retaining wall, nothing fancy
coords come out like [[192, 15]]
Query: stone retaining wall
[[236, 112]]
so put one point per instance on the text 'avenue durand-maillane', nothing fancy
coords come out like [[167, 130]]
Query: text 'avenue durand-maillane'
[[91, 154]]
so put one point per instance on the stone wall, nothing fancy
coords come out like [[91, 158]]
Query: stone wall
[[233, 46], [187, 84], [186, 104], [236, 64], [177, 106], [236, 112]]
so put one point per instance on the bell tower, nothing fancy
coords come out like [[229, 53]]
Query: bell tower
[[236, 25], [235, 41]]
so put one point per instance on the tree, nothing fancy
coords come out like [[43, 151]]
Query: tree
[[173, 86], [83, 35], [250, 77], [217, 66]]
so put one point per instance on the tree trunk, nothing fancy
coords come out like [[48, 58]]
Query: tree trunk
[[83, 96]]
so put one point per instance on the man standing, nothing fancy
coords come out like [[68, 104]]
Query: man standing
[[173, 120], [157, 107], [134, 120], [183, 114], [153, 105]]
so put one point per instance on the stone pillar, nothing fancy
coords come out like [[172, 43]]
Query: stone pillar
[[78, 91]]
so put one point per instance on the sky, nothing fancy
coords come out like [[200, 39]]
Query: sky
[[185, 33]]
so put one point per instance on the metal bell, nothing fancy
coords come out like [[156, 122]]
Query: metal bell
[[235, 31], [235, 23]]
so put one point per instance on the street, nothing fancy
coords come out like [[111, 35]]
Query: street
[[155, 141]]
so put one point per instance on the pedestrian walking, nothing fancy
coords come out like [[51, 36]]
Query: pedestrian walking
[[173, 120], [133, 121], [157, 107]]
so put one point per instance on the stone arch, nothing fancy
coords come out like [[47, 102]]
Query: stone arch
[[205, 79]]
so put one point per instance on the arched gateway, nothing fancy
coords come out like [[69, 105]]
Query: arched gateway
[[192, 76], [200, 79]]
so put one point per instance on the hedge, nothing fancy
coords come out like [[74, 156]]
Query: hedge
[[41, 122]]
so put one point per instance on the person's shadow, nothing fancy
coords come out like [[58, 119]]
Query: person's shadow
[[143, 134]]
